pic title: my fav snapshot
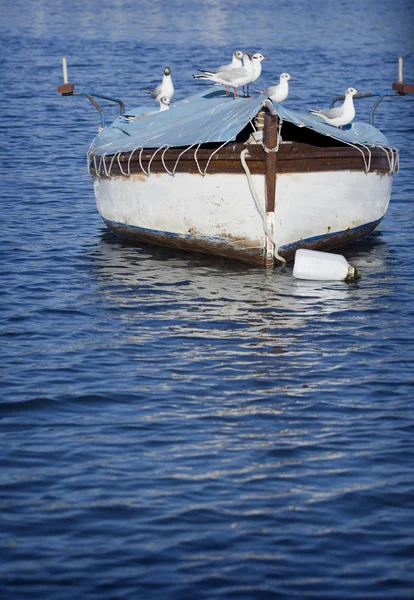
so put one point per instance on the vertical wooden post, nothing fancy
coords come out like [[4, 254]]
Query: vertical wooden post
[[65, 70], [65, 88], [400, 69], [270, 135], [270, 141]]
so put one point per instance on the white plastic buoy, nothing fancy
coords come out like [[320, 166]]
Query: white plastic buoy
[[322, 266]]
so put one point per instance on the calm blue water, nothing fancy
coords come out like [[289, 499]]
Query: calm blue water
[[177, 426]]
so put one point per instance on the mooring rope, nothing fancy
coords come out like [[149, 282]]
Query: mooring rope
[[259, 208]]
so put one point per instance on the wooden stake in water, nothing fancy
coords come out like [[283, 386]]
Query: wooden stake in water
[[400, 69], [65, 70], [65, 88]]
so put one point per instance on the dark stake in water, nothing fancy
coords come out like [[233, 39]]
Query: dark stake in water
[[177, 426]]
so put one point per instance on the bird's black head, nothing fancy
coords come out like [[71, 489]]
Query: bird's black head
[[167, 71]]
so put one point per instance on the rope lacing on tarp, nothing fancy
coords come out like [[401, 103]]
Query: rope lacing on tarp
[[103, 169]]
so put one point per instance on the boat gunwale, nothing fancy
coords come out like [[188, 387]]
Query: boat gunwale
[[292, 157]]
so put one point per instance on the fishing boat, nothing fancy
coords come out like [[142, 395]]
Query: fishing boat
[[245, 178]]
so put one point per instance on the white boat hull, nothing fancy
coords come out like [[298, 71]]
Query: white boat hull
[[216, 214]]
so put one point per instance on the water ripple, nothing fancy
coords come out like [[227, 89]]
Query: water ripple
[[180, 426]]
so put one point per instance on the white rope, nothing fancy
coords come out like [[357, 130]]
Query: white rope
[[120, 167], [95, 167], [152, 158], [369, 156], [88, 158], [259, 208], [196, 160], [163, 163], [110, 165], [253, 125], [179, 156], [139, 160], [397, 161], [359, 150], [386, 154], [392, 162], [108, 172], [101, 158], [215, 151]]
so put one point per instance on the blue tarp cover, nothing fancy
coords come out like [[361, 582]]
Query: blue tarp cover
[[212, 117]]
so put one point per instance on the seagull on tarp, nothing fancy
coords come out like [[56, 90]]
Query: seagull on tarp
[[257, 67], [234, 78], [164, 105], [165, 89], [236, 62], [279, 92], [340, 115]]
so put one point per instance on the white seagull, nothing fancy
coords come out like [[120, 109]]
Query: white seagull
[[257, 68], [165, 89], [164, 105], [279, 92], [257, 65], [236, 62], [164, 102], [233, 78], [340, 115]]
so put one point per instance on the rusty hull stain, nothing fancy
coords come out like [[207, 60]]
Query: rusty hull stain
[[224, 248], [240, 249]]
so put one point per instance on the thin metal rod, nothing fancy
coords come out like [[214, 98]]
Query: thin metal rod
[[380, 95], [121, 104], [400, 69], [65, 70], [374, 108], [96, 105]]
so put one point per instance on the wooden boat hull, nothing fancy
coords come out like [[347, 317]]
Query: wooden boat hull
[[215, 213]]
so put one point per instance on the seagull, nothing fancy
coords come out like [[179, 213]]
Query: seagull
[[257, 67], [279, 92], [340, 115], [236, 62], [164, 102], [165, 89], [233, 78]]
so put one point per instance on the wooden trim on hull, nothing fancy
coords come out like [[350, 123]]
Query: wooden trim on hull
[[292, 157], [235, 249]]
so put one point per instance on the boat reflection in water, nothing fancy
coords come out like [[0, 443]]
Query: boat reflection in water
[[204, 326], [187, 287]]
